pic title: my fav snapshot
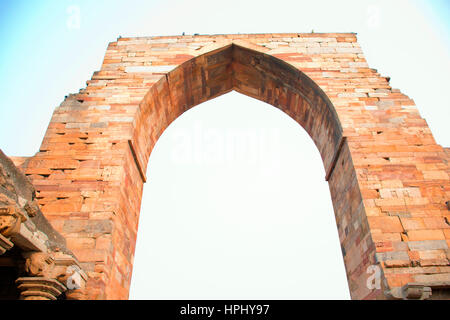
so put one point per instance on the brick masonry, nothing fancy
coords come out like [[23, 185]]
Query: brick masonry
[[389, 180]]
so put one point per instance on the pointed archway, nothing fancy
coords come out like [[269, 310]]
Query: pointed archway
[[236, 207], [387, 177], [269, 79], [251, 73]]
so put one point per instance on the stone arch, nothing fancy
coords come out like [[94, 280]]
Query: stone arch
[[268, 79], [247, 71], [388, 179]]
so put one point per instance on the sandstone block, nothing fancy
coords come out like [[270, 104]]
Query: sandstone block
[[417, 235], [427, 245]]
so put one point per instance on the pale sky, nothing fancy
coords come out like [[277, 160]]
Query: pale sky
[[249, 220]]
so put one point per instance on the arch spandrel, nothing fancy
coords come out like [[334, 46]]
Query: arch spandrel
[[252, 73]]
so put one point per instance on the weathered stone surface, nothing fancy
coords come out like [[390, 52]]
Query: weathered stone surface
[[39, 288], [427, 245], [389, 180], [20, 215], [46, 272]]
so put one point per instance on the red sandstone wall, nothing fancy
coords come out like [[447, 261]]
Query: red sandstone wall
[[389, 184]]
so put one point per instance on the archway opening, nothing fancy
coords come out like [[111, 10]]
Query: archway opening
[[247, 71], [236, 207]]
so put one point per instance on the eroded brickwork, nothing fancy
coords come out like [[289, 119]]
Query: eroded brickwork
[[35, 263], [388, 178]]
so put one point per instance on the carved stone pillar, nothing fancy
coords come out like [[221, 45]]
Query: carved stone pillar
[[50, 275], [39, 288]]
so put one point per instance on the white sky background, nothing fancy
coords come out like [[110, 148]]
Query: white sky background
[[223, 224]]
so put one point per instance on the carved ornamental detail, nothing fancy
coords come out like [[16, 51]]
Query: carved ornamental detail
[[50, 275], [49, 268]]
